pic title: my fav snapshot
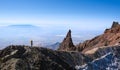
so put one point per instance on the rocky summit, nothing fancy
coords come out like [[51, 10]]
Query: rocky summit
[[38, 58], [110, 37], [67, 44]]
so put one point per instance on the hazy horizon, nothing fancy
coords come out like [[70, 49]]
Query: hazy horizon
[[20, 34]]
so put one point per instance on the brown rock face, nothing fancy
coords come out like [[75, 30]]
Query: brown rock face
[[110, 37], [67, 44], [114, 29]]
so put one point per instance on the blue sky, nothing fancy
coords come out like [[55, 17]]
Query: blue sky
[[100, 13], [58, 16]]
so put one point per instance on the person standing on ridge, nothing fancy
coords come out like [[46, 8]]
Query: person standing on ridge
[[31, 42]]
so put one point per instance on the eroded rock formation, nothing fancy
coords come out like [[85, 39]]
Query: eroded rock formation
[[67, 44], [110, 37]]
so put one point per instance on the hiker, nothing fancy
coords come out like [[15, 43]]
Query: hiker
[[31, 42]]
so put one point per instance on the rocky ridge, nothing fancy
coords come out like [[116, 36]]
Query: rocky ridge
[[38, 58], [110, 37]]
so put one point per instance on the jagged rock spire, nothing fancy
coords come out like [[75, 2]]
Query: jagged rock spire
[[115, 28], [67, 44], [69, 33], [115, 24]]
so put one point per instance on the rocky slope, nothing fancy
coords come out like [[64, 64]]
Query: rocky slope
[[38, 58], [67, 44], [105, 58], [108, 38]]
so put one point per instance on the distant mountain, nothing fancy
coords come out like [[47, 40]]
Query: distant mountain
[[54, 46], [23, 26]]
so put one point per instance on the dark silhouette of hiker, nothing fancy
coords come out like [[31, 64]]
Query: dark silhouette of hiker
[[31, 42]]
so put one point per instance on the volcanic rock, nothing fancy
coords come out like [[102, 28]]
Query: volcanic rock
[[67, 44], [38, 58], [105, 58], [114, 29], [110, 37]]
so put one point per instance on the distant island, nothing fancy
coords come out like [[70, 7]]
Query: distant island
[[22, 26]]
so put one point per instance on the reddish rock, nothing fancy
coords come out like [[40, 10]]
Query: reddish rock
[[67, 44], [110, 37], [115, 24], [114, 29]]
